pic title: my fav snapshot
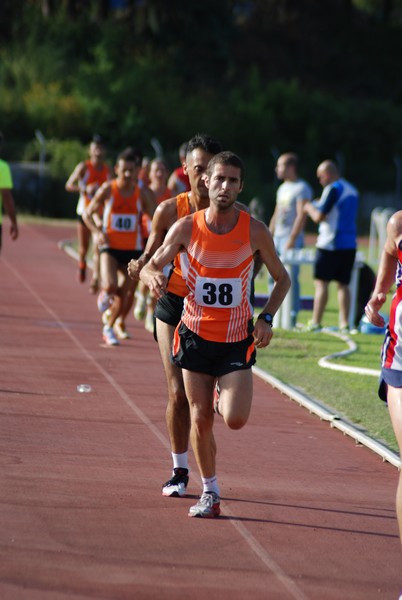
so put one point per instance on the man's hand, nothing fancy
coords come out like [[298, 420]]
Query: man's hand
[[13, 231], [157, 282], [134, 268], [262, 334], [372, 309]]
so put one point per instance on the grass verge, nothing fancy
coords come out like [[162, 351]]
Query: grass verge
[[293, 358]]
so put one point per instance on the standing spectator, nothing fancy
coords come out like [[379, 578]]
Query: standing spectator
[[119, 237], [287, 222], [178, 181], [390, 390], [86, 179], [6, 197], [336, 213], [216, 339]]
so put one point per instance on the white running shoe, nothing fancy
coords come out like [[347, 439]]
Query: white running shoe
[[120, 331], [176, 486], [207, 507], [109, 336], [140, 306], [106, 316], [104, 301], [149, 322]]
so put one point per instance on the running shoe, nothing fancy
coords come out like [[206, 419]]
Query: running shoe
[[217, 394], [149, 322], [104, 301], [109, 336], [140, 306], [313, 327], [177, 485], [82, 272], [106, 316], [207, 507], [120, 330]]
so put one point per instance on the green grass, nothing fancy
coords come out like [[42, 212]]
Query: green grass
[[293, 356]]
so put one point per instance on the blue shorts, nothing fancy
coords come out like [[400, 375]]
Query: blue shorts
[[391, 377]]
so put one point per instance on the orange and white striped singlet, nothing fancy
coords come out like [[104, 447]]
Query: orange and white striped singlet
[[122, 219], [91, 175], [218, 306], [177, 284]]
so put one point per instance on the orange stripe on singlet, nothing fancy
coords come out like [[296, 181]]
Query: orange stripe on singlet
[[218, 306]]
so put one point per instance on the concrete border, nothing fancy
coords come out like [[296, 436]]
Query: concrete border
[[311, 405], [334, 420]]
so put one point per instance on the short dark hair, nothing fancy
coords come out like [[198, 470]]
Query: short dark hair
[[131, 155], [226, 158], [291, 159], [205, 142], [97, 139]]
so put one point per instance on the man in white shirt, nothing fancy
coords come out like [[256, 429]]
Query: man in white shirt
[[287, 222]]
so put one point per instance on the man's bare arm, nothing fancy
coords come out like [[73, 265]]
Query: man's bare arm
[[386, 270], [90, 214], [9, 207], [72, 183], [298, 224], [262, 242], [176, 240], [164, 217]]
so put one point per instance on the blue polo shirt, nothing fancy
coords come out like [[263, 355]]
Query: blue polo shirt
[[339, 203]]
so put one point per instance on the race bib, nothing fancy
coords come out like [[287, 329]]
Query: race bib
[[124, 222], [218, 293]]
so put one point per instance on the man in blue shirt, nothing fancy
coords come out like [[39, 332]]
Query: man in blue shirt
[[336, 213]]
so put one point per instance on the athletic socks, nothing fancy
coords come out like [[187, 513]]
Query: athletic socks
[[180, 461], [210, 484]]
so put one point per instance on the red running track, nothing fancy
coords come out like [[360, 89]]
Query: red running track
[[306, 513]]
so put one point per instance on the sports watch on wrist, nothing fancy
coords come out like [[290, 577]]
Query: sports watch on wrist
[[267, 317]]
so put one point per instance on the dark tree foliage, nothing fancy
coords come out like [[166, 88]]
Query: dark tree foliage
[[265, 76]]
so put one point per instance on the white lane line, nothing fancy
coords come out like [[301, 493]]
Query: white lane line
[[141, 415], [247, 536], [266, 558]]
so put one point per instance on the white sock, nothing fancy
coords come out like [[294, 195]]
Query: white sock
[[210, 484], [180, 461]]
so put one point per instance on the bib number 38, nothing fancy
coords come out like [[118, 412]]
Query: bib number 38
[[218, 293]]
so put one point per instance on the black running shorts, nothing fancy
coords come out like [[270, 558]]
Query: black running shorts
[[169, 309], [214, 358], [334, 265], [123, 257]]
